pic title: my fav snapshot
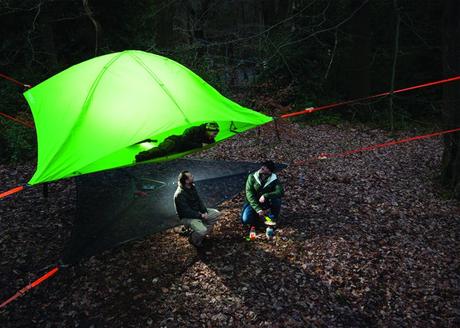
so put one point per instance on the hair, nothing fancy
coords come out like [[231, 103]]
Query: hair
[[212, 126], [182, 177], [269, 165]]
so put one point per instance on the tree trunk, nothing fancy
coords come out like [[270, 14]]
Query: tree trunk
[[48, 43], [358, 62], [451, 112], [164, 25], [196, 10], [395, 61]]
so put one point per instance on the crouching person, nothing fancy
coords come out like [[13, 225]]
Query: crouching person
[[192, 211], [263, 196]]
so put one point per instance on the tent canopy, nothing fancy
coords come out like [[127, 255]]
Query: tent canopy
[[92, 116]]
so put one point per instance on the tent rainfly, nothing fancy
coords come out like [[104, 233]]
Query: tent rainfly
[[94, 115]]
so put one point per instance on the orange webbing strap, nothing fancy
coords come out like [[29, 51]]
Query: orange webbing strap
[[30, 286], [347, 102], [26, 124], [11, 191], [390, 143], [9, 78], [373, 147], [23, 85]]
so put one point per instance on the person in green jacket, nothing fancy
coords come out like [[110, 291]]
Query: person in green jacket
[[192, 211], [263, 196], [193, 137]]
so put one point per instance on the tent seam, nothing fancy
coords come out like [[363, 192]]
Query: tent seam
[[160, 83], [85, 106]]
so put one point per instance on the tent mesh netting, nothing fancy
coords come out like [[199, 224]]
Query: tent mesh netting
[[110, 212]]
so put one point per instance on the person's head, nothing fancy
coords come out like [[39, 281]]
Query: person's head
[[185, 179], [267, 168], [212, 129]]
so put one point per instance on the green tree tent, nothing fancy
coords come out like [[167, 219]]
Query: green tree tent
[[93, 115]]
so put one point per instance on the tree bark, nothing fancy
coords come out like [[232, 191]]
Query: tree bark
[[164, 25], [358, 63], [450, 174], [395, 61], [48, 43]]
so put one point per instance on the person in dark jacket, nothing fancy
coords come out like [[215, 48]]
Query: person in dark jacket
[[263, 196], [191, 209], [194, 137]]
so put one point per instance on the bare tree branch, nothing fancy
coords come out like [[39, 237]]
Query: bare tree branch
[[256, 35], [90, 15], [327, 29], [29, 33], [332, 56]]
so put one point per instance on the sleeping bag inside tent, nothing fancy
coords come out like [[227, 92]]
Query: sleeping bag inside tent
[[94, 118]]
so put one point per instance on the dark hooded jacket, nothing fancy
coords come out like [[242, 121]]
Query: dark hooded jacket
[[193, 137], [188, 203]]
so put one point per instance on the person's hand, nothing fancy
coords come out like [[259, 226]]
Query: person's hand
[[262, 199], [261, 213], [204, 216]]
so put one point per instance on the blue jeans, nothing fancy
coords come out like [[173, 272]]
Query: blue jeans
[[250, 216]]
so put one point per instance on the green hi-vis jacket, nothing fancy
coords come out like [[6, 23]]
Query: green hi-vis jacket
[[254, 189]]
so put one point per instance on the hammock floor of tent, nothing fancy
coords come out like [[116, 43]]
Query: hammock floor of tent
[[117, 206]]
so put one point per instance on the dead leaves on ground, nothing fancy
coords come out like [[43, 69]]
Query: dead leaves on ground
[[365, 240]]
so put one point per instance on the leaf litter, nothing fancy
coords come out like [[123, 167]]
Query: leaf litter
[[365, 240]]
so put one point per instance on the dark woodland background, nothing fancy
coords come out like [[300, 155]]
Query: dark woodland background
[[368, 240], [271, 55]]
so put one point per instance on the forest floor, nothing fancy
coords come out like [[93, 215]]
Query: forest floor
[[366, 240]]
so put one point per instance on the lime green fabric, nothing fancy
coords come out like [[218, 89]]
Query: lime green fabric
[[92, 116]]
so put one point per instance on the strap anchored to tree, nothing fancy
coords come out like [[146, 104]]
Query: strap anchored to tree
[[26, 124], [347, 102]]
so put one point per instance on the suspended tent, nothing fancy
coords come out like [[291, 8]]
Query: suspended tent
[[94, 116]]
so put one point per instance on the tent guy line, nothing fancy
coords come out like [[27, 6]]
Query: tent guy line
[[33, 284], [375, 146], [12, 191], [322, 156], [14, 119], [9, 78], [111, 186], [390, 143], [383, 94], [247, 117], [305, 111]]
